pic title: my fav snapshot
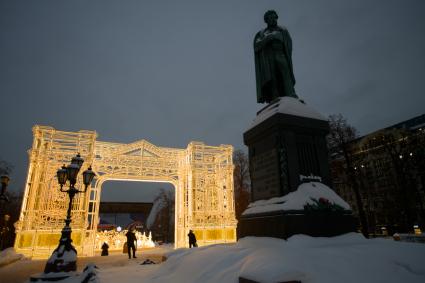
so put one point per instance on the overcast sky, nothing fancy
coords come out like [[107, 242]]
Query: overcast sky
[[175, 71]]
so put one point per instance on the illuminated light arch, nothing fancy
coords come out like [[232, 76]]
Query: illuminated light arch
[[202, 176]]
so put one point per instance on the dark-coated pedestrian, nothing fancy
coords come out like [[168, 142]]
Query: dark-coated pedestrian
[[105, 249], [131, 243], [192, 239]]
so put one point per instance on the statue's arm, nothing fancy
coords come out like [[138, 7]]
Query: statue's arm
[[262, 39], [258, 42]]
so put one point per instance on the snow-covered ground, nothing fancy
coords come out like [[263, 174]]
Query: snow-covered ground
[[8, 256], [347, 258], [21, 270]]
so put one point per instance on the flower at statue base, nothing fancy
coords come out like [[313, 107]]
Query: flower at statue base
[[323, 205]]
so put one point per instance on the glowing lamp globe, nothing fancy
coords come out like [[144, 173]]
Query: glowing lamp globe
[[88, 176], [72, 171], [62, 175], [77, 160]]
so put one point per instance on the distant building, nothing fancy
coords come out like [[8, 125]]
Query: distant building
[[390, 171]]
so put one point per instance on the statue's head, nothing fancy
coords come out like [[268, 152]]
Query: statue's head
[[270, 17]]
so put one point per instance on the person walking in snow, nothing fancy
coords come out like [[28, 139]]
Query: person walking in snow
[[192, 239], [131, 243], [105, 249]]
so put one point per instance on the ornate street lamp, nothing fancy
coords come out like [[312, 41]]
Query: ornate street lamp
[[64, 257]]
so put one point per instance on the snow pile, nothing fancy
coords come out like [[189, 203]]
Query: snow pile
[[296, 200], [347, 258], [158, 204], [8, 256], [415, 238], [89, 275], [64, 257], [164, 199], [290, 106]]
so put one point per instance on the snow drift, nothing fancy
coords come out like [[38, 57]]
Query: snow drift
[[346, 258], [8, 256]]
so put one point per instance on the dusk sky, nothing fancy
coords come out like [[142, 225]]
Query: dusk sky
[[175, 71]]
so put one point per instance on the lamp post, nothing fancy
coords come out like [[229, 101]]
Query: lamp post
[[64, 257]]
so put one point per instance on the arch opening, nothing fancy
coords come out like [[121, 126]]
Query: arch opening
[[146, 207]]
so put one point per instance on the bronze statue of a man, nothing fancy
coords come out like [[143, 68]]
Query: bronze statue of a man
[[273, 61]]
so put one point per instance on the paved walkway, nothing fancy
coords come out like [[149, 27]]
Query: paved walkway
[[20, 271]]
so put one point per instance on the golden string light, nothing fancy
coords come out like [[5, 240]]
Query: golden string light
[[202, 176]]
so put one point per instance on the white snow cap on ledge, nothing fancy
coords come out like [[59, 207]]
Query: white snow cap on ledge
[[297, 199], [288, 105]]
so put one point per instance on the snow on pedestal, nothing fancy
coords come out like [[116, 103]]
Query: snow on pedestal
[[297, 200], [89, 275], [65, 257], [290, 106]]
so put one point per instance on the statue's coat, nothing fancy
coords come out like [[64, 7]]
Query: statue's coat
[[273, 65]]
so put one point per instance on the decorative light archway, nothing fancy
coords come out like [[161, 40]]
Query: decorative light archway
[[202, 176]]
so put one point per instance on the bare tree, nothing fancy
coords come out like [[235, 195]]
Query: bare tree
[[339, 140], [242, 183], [10, 205], [5, 167]]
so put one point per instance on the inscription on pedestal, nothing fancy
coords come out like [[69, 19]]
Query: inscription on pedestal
[[265, 175]]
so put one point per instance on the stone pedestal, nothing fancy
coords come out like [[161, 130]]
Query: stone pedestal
[[287, 143], [281, 149], [286, 224]]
